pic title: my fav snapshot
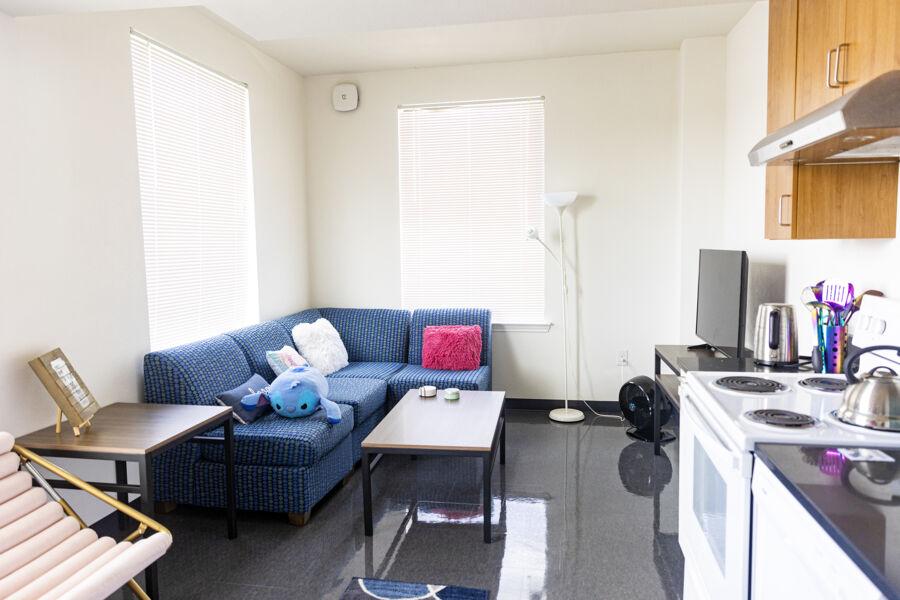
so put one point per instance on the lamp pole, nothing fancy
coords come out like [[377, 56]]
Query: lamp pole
[[560, 201]]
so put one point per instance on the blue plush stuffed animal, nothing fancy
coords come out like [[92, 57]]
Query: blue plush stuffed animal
[[298, 392]]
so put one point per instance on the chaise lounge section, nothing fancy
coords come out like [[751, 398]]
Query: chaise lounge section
[[288, 465]]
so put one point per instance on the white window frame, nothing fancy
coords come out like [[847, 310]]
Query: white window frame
[[196, 189], [447, 152]]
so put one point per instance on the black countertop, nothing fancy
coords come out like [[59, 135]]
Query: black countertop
[[856, 503]]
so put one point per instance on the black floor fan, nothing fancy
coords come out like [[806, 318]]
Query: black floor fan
[[636, 404]]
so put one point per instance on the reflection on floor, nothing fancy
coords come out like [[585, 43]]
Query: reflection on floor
[[580, 511]]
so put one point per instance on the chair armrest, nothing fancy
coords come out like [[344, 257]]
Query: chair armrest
[[27, 456]]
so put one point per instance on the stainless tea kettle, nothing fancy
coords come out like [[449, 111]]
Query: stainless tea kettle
[[872, 400]]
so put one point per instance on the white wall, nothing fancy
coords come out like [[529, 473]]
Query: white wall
[[71, 255], [780, 269], [611, 134], [702, 144]]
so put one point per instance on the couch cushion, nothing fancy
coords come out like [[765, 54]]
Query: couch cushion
[[414, 376], [310, 315], [423, 317], [279, 441], [194, 373], [369, 370], [371, 334], [364, 396], [258, 339]]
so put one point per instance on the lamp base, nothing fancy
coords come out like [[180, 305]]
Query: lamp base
[[566, 415]]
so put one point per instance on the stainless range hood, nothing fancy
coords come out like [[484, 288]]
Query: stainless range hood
[[863, 125]]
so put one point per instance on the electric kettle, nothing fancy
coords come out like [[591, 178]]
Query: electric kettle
[[776, 335], [872, 400]]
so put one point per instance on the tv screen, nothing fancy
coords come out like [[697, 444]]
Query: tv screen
[[722, 300]]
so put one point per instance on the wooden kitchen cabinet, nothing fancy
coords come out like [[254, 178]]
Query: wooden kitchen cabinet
[[781, 181], [828, 201], [872, 40], [820, 31]]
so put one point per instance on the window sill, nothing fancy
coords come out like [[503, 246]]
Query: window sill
[[522, 327]]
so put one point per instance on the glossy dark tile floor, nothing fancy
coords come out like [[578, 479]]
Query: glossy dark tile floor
[[580, 511]]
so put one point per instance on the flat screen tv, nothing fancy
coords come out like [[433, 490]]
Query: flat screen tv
[[722, 300]]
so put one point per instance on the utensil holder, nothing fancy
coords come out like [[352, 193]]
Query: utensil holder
[[833, 347]]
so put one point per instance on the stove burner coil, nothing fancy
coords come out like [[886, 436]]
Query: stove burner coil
[[750, 385], [824, 384], [781, 418]]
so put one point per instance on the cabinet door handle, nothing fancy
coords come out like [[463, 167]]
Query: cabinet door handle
[[837, 65], [781, 210], [828, 55]]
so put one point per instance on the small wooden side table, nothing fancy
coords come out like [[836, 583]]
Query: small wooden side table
[[127, 431]]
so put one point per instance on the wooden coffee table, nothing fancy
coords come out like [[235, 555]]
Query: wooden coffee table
[[474, 425]]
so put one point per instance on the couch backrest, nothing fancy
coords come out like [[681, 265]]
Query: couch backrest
[[310, 315], [194, 373], [258, 339], [423, 317], [371, 334]]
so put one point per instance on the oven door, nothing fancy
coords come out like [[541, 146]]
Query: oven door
[[713, 508]]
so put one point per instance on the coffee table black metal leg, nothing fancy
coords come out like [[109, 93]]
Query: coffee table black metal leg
[[487, 461], [122, 479], [145, 469], [230, 501], [367, 494]]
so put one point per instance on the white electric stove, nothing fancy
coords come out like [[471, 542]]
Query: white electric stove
[[724, 416], [757, 408]]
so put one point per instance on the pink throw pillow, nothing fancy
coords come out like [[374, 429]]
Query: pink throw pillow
[[451, 347]]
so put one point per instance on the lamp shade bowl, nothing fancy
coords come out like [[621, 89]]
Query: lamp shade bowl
[[559, 199]]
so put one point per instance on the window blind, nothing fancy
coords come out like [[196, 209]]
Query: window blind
[[193, 143], [471, 179]]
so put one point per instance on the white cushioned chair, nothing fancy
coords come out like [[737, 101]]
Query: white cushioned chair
[[46, 550]]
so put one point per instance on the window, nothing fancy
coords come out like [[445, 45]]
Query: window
[[471, 178], [193, 141]]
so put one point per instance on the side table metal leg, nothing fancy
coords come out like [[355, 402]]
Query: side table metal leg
[[657, 392], [503, 440], [145, 469], [487, 462], [230, 501], [367, 494], [122, 479]]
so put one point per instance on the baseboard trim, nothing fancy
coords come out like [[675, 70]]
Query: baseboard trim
[[601, 406]]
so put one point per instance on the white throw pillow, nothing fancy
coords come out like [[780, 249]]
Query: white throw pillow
[[321, 345]]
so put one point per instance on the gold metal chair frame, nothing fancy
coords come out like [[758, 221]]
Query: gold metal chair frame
[[29, 459]]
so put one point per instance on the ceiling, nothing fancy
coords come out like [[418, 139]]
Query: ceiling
[[340, 36]]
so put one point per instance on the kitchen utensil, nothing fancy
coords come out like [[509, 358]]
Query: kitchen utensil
[[872, 400], [838, 295], [857, 302], [809, 295], [823, 312], [776, 335]]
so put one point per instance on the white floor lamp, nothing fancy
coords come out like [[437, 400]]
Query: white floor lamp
[[560, 201]]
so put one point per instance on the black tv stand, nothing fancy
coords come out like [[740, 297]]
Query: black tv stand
[[703, 347], [716, 351]]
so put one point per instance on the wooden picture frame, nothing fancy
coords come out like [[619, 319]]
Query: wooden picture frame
[[73, 398]]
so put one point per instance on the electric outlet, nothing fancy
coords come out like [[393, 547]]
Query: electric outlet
[[622, 358]]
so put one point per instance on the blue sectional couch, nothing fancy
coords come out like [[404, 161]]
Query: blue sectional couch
[[288, 465]]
